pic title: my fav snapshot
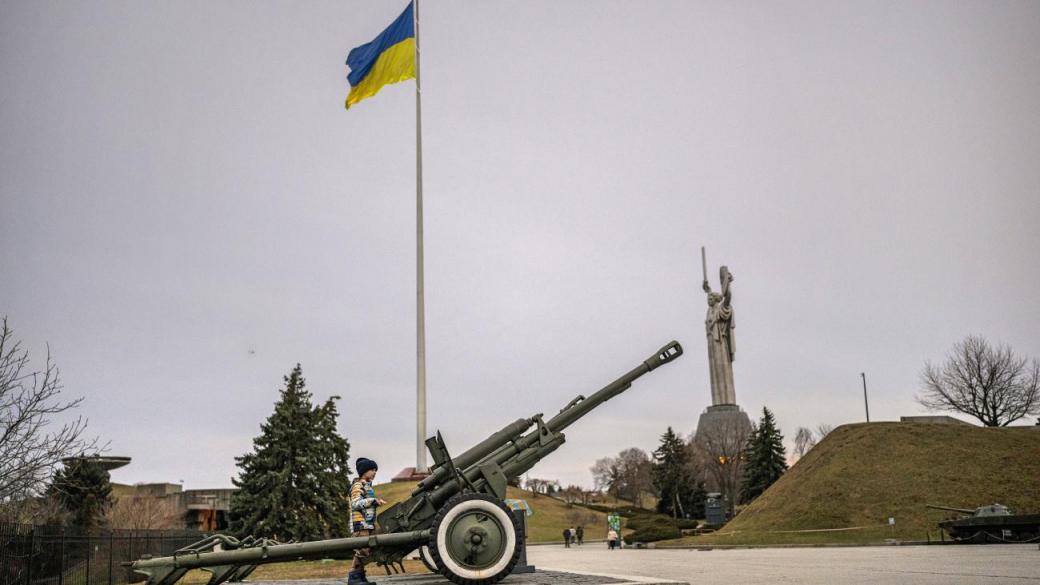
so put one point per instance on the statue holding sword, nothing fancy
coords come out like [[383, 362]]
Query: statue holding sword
[[719, 325]]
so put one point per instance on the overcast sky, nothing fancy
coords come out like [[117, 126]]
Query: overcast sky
[[188, 211]]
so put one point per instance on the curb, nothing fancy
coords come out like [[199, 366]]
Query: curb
[[629, 579], [817, 545]]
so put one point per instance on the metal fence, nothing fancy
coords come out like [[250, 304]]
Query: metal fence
[[60, 555]]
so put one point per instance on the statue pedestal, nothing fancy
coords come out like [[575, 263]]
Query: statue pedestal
[[410, 474], [722, 415], [722, 431]]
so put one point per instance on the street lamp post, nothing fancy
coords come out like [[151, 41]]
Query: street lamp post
[[866, 406]]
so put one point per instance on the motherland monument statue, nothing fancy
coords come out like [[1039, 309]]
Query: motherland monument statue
[[723, 428], [719, 325]]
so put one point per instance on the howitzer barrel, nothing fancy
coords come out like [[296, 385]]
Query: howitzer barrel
[[517, 456], [948, 508], [581, 406], [280, 552]]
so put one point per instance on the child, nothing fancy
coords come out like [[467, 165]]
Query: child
[[612, 538], [363, 504]]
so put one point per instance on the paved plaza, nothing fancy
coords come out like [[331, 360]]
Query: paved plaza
[[918, 565], [539, 578]]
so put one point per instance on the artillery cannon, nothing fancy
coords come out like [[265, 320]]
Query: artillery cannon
[[456, 514]]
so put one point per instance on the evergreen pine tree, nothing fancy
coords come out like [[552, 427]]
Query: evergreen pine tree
[[84, 490], [765, 457], [333, 481], [696, 497], [680, 495], [294, 484]]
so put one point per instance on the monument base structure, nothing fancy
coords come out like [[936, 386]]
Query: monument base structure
[[722, 431], [723, 417], [410, 474]]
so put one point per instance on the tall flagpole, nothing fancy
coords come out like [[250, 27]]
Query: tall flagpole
[[420, 303]]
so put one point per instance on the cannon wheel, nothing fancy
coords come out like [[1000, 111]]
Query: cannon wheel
[[475, 540]]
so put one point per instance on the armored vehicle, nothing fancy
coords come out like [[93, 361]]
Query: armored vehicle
[[995, 523]]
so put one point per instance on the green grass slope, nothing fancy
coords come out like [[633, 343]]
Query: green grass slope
[[550, 516], [860, 475]]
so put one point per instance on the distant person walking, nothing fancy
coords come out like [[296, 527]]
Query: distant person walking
[[566, 538], [581, 535], [612, 539]]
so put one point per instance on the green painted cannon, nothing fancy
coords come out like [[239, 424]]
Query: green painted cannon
[[456, 517]]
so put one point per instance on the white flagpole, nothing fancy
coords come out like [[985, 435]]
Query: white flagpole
[[420, 391]]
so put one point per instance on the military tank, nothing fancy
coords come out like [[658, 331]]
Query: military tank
[[995, 523]]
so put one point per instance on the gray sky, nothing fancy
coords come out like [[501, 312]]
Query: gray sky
[[180, 185]]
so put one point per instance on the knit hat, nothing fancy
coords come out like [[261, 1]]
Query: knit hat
[[362, 465]]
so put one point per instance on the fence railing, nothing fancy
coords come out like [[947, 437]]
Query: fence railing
[[60, 555]]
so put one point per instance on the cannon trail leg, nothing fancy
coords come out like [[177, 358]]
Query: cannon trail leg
[[220, 573], [242, 572], [164, 575]]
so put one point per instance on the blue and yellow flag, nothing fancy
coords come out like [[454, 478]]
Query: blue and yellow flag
[[388, 58]]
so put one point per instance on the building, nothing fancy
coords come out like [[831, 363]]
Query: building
[[205, 509]]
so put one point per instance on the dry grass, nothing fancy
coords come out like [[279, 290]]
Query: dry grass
[[863, 474]]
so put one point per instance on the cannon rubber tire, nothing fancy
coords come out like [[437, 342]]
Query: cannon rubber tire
[[503, 517], [427, 559]]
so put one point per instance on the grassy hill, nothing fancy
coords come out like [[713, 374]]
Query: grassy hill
[[550, 516], [861, 475]]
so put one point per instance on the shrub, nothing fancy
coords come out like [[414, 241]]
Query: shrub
[[654, 533]]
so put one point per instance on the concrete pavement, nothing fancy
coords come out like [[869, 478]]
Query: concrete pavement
[[539, 578], [917, 565]]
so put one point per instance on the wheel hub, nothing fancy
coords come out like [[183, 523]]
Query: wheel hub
[[476, 540]]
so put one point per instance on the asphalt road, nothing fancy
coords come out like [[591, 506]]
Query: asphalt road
[[923, 565]]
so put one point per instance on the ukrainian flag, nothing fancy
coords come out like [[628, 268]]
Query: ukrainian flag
[[388, 58]]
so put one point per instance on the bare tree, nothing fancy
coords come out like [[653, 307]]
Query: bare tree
[[31, 445], [822, 430], [992, 384], [605, 475], [803, 441], [587, 496], [143, 512], [542, 486], [39, 510], [572, 494], [635, 467], [626, 476]]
